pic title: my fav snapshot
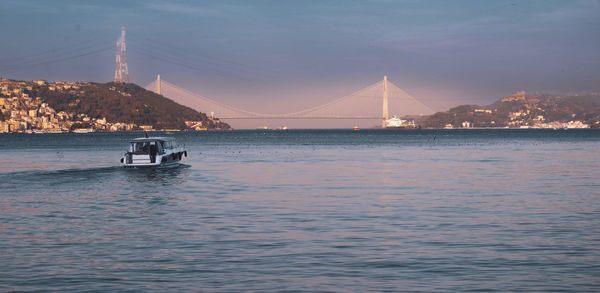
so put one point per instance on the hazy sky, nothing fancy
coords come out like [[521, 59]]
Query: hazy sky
[[281, 56]]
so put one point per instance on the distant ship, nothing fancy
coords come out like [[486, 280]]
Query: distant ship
[[83, 130], [356, 128], [397, 123]]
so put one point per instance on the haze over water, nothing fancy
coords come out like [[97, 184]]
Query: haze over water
[[325, 210], [285, 56]]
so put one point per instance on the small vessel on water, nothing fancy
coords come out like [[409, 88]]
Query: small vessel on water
[[83, 130], [356, 128], [396, 123], [153, 152]]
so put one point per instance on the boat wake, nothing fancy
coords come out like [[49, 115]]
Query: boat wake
[[90, 176], [58, 172]]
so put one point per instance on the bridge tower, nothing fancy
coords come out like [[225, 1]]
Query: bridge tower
[[385, 112], [158, 84]]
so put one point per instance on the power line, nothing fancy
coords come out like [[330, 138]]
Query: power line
[[216, 63], [57, 60], [52, 53], [182, 63]]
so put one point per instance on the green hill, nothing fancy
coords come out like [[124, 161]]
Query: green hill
[[128, 103]]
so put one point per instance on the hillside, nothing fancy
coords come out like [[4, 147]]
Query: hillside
[[128, 103], [521, 110]]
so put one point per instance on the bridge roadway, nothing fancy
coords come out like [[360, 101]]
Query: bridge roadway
[[287, 117]]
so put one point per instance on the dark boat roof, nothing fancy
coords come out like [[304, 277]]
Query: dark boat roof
[[152, 138]]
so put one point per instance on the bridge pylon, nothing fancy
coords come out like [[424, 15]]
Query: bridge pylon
[[385, 113], [158, 84]]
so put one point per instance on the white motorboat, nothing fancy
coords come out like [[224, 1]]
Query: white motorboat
[[153, 152], [397, 123]]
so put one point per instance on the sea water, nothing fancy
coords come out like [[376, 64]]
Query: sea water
[[304, 210]]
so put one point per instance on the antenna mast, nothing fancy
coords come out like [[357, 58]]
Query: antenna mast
[[121, 70]]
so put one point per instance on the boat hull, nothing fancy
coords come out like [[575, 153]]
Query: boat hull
[[401, 128], [145, 161]]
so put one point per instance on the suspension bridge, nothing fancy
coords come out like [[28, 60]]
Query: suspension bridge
[[375, 101]]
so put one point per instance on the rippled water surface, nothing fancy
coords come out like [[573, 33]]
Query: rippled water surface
[[326, 210]]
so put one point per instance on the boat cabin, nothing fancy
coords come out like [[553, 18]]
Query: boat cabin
[[152, 150]]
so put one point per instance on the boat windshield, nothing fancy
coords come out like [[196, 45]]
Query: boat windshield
[[147, 147], [139, 147], [142, 147]]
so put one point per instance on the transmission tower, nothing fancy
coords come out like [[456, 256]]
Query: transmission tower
[[121, 70]]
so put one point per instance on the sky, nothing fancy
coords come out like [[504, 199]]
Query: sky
[[285, 56]]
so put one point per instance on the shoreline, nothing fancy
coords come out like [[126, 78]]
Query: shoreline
[[300, 129]]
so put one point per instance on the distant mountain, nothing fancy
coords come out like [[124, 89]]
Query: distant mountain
[[127, 103], [521, 110]]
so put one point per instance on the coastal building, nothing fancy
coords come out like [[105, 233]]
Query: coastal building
[[196, 125], [519, 96], [22, 113]]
